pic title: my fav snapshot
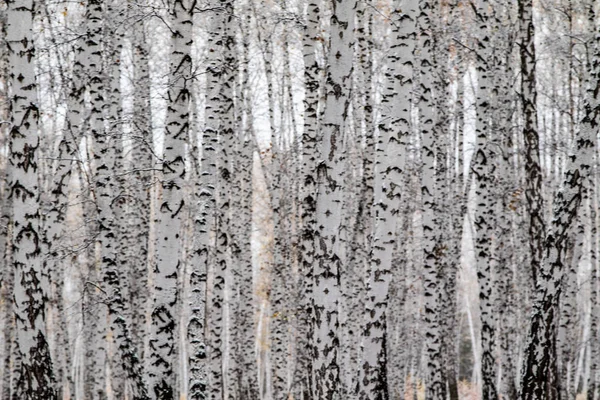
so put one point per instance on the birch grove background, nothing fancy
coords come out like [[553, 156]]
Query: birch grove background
[[299, 199]]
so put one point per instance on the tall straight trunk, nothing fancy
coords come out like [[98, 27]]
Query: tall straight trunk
[[95, 314], [329, 254], [485, 218], [593, 389], [203, 243], [34, 376], [203, 217], [539, 379], [533, 170], [167, 265], [108, 166], [566, 348], [435, 381], [138, 210], [568, 324], [225, 153], [310, 140], [390, 163], [220, 120], [55, 203], [245, 354]]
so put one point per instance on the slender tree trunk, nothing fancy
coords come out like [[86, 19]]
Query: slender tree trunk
[[533, 171], [435, 381], [329, 255], [310, 137], [138, 201], [485, 218], [390, 163], [167, 265]]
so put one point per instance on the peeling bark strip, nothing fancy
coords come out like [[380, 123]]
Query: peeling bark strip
[[329, 255], [390, 163], [34, 376], [170, 204]]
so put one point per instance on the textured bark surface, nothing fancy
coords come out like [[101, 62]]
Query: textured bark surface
[[435, 381], [485, 219], [533, 168], [34, 374], [539, 379], [308, 194], [167, 265], [390, 164], [329, 253]]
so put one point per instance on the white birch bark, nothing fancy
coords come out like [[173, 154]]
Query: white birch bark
[[329, 257], [108, 157], [95, 318], [539, 379], [390, 163], [34, 373], [168, 263], [138, 211], [220, 121], [310, 139], [246, 374], [593, 389], [485, 218], [533, 171], [434, 380]]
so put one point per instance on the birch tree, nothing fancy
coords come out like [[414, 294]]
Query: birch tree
[[484, 171], [539, 379], [310, 140], [329, 257], [35, 376], [435, 381], [167, 267], [390, 164]]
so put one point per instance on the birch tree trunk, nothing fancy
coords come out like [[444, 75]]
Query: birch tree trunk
[[34, 374], [110, 202], [138, 211], [593, 385], [533, 171], [95, 327], [539, 363], [167, 267], [310, 139], [435, 380], [220, 120], [329, 257], [390, 163], [485, 219]]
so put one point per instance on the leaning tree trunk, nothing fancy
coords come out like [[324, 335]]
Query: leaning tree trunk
[[167, 265], [329, 257], [34, 376]]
